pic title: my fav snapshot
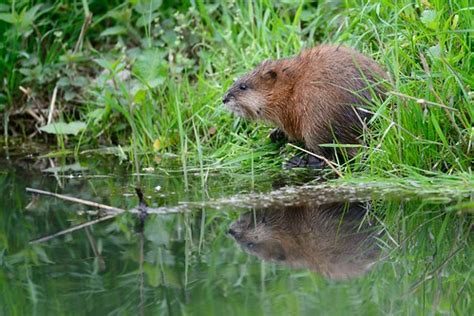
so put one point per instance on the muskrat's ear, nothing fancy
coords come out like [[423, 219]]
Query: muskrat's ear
[[273, 250], [270, 74], [279, 253]]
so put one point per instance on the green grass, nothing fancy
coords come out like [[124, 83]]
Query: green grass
[[149, 77]]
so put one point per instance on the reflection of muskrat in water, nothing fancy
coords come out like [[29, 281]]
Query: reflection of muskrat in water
[[331, 239], [311, 97]]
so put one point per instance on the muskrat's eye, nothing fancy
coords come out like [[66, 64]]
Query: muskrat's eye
[[250, 245], [243, 86]]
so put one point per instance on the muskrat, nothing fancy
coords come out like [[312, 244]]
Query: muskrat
[[334, 240], [315, 97]]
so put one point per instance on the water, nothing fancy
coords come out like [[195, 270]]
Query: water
[[238, 245]]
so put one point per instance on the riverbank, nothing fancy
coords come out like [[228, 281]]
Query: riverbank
[[147, 80]]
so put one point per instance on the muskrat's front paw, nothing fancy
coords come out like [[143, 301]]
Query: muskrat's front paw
[[315, 163], [306, 161], [277, 135], [294, 162]]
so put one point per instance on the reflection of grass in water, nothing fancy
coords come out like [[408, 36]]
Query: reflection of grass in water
[[190, 265]]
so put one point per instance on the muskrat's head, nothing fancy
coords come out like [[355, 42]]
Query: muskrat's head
[[250, 95], [256, 234]]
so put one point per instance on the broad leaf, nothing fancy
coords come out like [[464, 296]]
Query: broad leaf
[[430, 19], [72, 128], [114, 30], [151, 68]]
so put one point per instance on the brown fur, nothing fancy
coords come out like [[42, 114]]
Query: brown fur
[[332, 239], [312, 96]]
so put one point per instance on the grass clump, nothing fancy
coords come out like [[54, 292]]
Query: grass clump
[[149, 76]]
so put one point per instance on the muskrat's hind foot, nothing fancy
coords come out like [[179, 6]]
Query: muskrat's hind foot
[[277, 135], [306, 161]]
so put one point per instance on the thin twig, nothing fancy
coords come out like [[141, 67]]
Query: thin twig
[[25, 91], [115, 211], [85, 26], [77, 200], [142, 210], [52, 104], [38, 119], [73, 228], [53, 166], [422, 101]]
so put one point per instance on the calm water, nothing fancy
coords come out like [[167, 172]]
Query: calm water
[[239, 245]]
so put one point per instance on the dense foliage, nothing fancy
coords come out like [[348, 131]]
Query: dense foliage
[[148, 76]]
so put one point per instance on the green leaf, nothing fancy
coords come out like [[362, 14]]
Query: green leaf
[[27, 17], [30, 15], [153, 274], [7, 17], [155, 231], [146, 19], [306, 16], [104, 63], [73, 167], [4, 7], [147, 6], [114, 30], [438, 130], [72, 128], [41, 254], [32, 289], [171, 277], [435, 51], [63, 82], [430, 19], [151, 68], [97, 115], [140, 96]]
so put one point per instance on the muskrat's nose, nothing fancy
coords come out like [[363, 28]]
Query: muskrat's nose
[[233, 233], [226, 98]]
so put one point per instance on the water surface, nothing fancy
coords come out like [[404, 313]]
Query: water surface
[[233, 245]]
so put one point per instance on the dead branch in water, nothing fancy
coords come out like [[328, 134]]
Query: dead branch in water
[[113, 212], [77, 200], [72, 229], [142, 210]]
